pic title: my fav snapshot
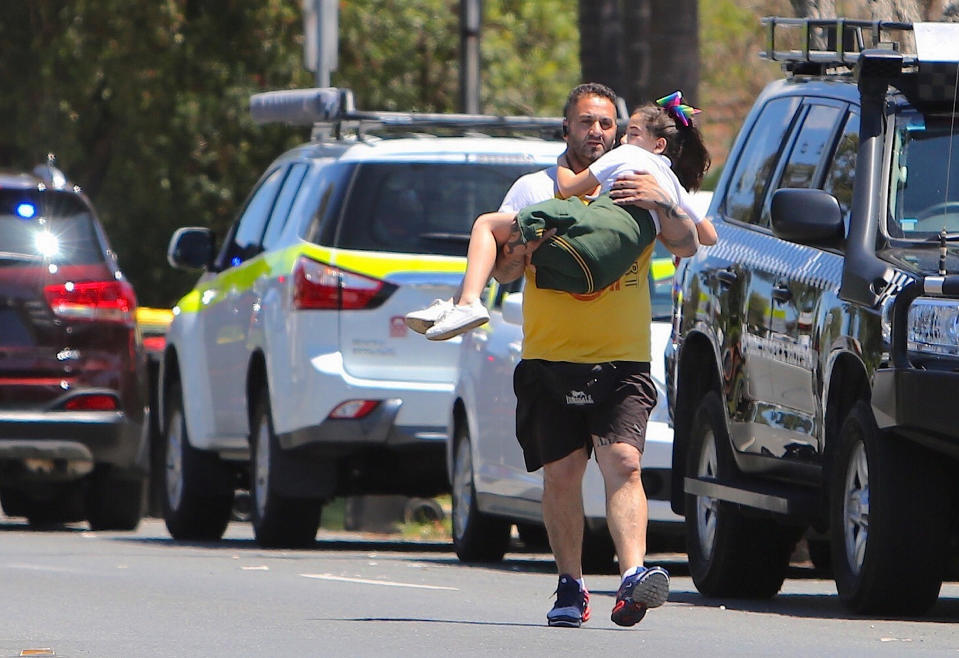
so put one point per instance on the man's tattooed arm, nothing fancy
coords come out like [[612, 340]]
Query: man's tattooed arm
[[676, 229]]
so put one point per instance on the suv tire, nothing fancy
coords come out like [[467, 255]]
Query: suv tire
[[114, 502], [199, 495], [47, 505], [477, 537], [887, 518], [729, 554], [278, 521]]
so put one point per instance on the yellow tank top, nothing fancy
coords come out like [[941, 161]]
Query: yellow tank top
[[609, 325]]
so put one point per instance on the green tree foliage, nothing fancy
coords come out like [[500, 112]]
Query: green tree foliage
[[404, 55], [145, 105], [530, 56]]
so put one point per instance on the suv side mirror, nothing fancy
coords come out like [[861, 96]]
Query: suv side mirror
[[191, 248], [513, 308], [807, 216]]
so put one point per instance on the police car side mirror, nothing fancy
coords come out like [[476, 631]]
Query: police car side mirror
[[191, 248], [513, 308], [807, 216]]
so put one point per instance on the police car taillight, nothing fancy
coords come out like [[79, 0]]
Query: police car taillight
[[320, 286]]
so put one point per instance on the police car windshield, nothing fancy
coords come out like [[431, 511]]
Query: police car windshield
[[46, 226], [924, 185], [422, 208]]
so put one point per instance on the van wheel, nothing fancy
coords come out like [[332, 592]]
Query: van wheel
[[889, 519], [729, 554], [477, 537], [199, 495], [278, 520]]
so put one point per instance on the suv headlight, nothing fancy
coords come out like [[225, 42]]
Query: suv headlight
[[934, 326]]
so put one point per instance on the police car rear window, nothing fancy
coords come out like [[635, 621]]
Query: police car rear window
[[422, 208], [48, 226]]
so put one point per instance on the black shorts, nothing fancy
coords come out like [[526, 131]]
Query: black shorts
[[561, 407]]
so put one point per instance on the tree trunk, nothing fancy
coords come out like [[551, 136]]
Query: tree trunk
[[600, 42], [643, 49], [673, 50]]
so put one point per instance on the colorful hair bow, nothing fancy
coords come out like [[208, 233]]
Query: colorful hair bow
[[673, 104]]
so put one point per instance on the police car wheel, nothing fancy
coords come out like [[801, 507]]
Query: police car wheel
[[278, 520], [198, 484], [477, 537]]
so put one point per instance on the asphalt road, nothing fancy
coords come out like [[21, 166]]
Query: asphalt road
[[79, 593]]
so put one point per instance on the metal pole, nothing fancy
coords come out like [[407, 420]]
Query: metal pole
[[327, 47], [470, 20]]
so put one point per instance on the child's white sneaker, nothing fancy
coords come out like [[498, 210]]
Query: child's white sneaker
[[458, 320], [421, 320]]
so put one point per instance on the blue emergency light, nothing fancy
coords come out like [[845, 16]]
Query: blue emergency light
[[26, 210]]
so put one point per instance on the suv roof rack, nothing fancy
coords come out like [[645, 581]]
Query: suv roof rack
[[831, 44], [331, 111]]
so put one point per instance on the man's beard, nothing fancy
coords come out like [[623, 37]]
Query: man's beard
[[588, 153]]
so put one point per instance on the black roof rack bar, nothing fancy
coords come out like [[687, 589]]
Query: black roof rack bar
[[841, 52]]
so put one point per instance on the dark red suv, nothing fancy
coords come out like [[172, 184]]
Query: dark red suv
[[73, 403]]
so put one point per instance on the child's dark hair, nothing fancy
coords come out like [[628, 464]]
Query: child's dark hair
[[684, 144]]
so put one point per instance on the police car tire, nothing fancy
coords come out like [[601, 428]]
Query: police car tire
[[477, 537], [278, 521], [201, 511], [747, 557], [906, 538]]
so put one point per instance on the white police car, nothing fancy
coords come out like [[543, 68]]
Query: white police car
[[288, 368]]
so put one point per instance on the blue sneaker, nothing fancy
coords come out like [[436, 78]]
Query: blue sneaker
[[572, 604], [647, 589]]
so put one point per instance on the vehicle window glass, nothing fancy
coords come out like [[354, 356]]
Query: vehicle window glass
[[813, 141], [422, 208], [806, 158], [924, 191], [249, 231], [281, 209], [319, 201], [49, 226], [842, 171], [757, 162]]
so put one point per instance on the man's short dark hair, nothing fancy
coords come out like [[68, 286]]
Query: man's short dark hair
[[588, 89]]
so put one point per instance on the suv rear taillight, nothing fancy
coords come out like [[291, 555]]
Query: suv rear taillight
[[320, 286], [93, 301]]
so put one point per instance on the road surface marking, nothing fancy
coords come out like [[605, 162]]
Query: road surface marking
[[365, 581]]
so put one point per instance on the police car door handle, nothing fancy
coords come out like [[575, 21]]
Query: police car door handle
[[782, 293], [727, 277]]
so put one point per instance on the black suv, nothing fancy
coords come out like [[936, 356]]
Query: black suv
[[72, 385], [815, 348]]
